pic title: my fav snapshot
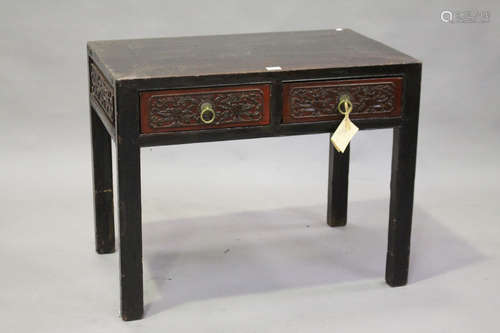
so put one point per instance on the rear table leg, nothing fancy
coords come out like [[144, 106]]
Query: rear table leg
[[103, 186]]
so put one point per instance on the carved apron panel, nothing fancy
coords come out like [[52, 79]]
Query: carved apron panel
[[102, 92]]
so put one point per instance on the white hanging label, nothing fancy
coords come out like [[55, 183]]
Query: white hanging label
[[343, 134], [346, 130]]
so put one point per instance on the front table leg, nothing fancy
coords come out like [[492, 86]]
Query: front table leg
[[129, 201], [338, 180], [401, 206]]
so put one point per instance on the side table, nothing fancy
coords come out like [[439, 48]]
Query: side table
[[164, 91]]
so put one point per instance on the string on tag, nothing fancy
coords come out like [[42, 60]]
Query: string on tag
[[346, 129]]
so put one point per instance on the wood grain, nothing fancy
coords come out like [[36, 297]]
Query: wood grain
[[241, 53]]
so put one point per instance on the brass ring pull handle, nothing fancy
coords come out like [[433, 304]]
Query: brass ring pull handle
[[346, 102], [207, 113]]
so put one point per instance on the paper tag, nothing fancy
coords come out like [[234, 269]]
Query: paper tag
[[343, 134]]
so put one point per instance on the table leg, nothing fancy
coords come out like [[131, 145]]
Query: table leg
[[129, 198], [129, 201], [338, 179], [103, 186], [401, 206]]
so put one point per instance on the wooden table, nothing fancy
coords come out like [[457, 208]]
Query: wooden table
[[165, 91]]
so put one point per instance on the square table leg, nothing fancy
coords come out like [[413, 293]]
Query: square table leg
[[338, 180], [102, 167], [401, 206], [129, 201], [404, 157]]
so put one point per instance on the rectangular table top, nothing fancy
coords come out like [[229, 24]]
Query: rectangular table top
[[241, 53]]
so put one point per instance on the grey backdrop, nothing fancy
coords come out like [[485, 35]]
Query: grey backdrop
[[234, 233]]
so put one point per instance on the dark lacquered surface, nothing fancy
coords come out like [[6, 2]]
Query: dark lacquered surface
[[241, 53]]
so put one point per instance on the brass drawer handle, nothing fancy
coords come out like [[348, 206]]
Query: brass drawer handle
[[346, 102], [207, 113]]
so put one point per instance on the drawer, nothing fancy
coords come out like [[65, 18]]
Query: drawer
[[204, 108], [314, 101]]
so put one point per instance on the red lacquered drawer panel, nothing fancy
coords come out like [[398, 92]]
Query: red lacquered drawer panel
[[181, 109], [317, 100]]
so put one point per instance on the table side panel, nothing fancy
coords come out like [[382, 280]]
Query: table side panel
[[101, 92]]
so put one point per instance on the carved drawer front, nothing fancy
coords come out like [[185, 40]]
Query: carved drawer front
[[318, 100], [204, 108]]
